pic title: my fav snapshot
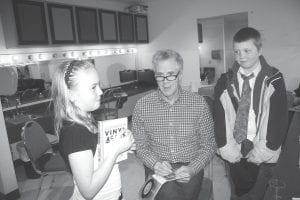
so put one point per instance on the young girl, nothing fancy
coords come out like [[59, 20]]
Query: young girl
[[75, 93]]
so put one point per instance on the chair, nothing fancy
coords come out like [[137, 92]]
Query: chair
[[28, 95], [110, 110], [206, 90], [39, 150]]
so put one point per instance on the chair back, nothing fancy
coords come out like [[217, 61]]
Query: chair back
[[35, 140], [28, 95], [120, 101], [120, 97]]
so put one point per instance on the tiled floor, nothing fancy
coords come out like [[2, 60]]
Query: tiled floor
[[59, 187]]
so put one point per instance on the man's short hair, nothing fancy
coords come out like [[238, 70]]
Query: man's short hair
[[248, 33], [166, 54]]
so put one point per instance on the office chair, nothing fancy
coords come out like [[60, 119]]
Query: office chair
[[39, 150], [110, 110], [28, 95], [206, 90]]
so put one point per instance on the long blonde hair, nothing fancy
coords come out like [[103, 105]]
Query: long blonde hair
[[65, 78]]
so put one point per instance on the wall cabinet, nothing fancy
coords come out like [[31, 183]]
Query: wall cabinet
[[30, 22], [141, 28], [126, 30], [70, 24], [87, 25], [108, 26], [61, 19]]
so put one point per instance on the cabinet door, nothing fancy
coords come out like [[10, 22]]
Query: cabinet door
[[61, 20], [141, 28], [108, 26], [126, 33], [87, 25], [30, 22]]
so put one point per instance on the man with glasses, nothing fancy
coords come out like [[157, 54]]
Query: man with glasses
[[250, 116], [174, 131]]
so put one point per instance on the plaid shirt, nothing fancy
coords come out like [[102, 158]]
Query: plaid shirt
[[182, 132]]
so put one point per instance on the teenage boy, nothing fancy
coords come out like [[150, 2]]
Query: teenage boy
[[250, 113]]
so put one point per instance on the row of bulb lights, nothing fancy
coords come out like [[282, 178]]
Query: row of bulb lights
[[25, 59]]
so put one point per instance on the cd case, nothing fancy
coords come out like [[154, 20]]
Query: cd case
[[152, 186]]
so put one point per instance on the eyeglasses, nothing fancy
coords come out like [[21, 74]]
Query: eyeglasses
[[172, 77]]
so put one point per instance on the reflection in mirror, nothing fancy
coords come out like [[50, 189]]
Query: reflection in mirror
[[23, 72], [31, 96], [24, 106], [34, 81], [215, 44], [109, 67], [30, 88], [38, 76]]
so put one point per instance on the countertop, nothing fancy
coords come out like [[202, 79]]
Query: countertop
[[130, 89]]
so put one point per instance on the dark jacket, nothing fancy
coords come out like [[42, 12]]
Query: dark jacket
[[269, 105]]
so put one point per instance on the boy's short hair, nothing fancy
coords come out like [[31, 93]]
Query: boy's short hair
[[248, 33]]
